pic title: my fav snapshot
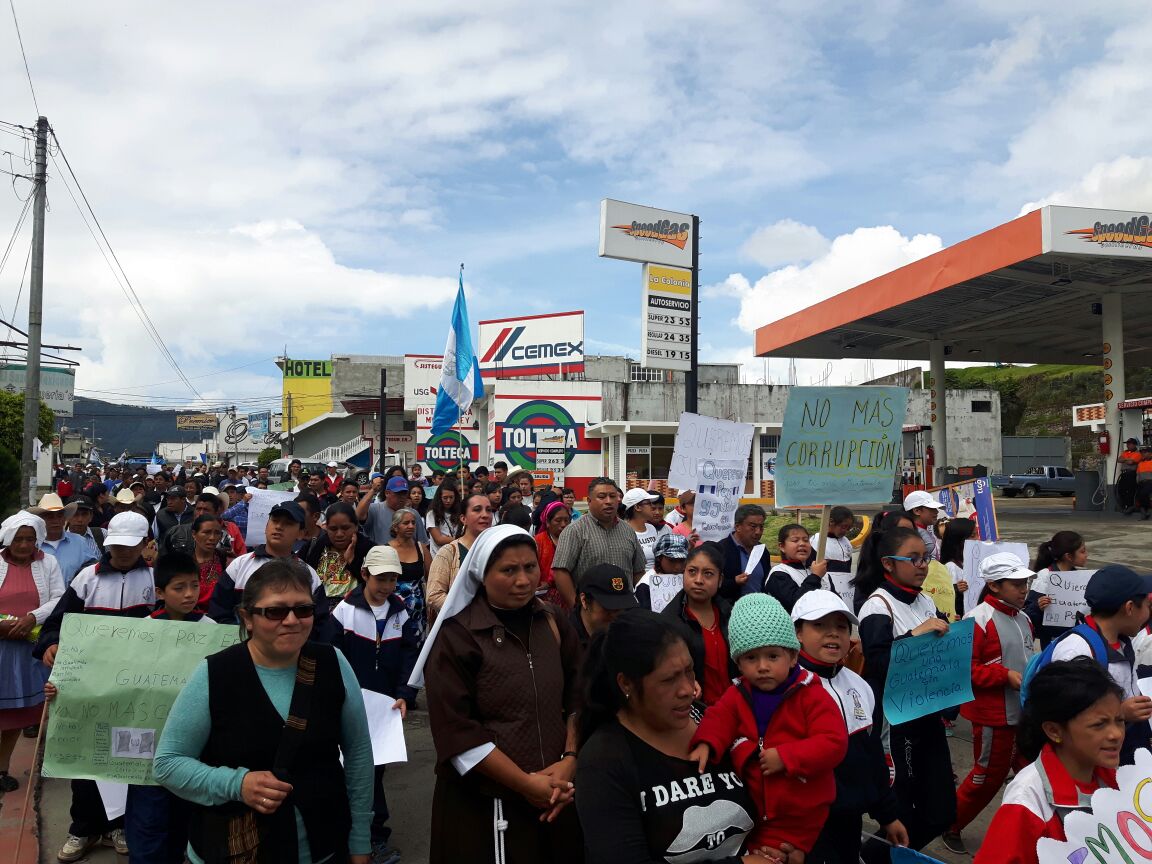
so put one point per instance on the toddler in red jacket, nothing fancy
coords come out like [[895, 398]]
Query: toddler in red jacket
[[784, 733]]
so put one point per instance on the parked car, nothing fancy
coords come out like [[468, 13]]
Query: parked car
[[278, 469], [1042, 480]]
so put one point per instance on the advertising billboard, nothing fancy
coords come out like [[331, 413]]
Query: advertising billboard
[[666, 318], [548, 414], [57, 386], [205, 422], [1090, 231], [445, 451], [631, 232], [421, 379], [532, 345]]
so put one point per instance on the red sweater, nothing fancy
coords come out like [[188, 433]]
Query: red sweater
[[808, 732], [1036, 803]]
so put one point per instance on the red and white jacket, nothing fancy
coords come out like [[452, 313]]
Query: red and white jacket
[[808, 732], [1036, 803], [1002, 643]]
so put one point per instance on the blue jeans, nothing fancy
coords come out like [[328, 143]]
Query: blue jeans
[[156, 825]]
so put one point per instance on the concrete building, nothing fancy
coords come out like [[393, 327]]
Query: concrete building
[[622, 420]]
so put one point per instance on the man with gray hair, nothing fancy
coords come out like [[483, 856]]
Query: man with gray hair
[[741, 574]]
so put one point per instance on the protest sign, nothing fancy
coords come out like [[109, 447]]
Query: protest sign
[[841, 583], [840, 445], [118, 678], [973, 500], [699, 437], [976, 551], [904, 855], [718, 486], [386, 728], [929, 673], [662, 587], [263, 500], [1115, 828], [1066, 588]]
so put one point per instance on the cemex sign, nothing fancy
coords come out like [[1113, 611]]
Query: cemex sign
[[532, 345]]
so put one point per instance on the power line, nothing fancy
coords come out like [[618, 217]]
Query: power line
[[27, 71], [125, 285]]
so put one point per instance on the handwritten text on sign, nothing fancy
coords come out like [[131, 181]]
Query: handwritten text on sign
[[840, 445], [719, 483], [699, 437], [1066, 589], [118, 678], [929, 673]]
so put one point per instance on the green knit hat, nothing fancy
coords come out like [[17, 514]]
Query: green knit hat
[[758, 620]]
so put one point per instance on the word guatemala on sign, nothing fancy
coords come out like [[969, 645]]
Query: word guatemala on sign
[[840, 445], [929, 673]]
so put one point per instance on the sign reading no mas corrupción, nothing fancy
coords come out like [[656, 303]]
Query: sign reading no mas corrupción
[[666, 340]]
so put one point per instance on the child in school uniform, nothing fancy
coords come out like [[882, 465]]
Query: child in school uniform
[[381, 642], [156, 821], [824, 627], [1001, 648], [792, 577], [1065, 551], [119, 584], [1117, 598], [782, 730], [897, 608]]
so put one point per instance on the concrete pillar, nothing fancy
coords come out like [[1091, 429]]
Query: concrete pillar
[[938, 408], [1113, 357]]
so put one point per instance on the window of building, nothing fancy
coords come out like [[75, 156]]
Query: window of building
[[639, 374], [981, 406]]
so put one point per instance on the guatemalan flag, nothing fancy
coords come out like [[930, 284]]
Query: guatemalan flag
[[460, 381]]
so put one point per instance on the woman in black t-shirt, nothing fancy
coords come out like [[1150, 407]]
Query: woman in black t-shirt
[[639, 796]]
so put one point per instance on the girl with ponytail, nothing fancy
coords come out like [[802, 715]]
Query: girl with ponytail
[[1065, 551]]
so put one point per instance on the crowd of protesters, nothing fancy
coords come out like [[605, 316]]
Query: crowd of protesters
[[602, 684]]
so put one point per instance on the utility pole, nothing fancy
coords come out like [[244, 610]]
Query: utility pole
[[691, 377], [383, 417], [35, 317], [290, 442]]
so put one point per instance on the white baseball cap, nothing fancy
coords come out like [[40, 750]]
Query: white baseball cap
[[636, 496], [333, 465], [1004, 565], [816, 604], [920, 498], [126, 529], [382, 559]]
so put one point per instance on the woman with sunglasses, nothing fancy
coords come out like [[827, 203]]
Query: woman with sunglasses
[[896, 609], [274, 706]]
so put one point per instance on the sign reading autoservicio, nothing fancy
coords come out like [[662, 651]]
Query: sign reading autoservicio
[[632, 232], [840, 445], [666, 317], [532, 345]]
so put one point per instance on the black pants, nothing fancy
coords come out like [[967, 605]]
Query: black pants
[[156, 826], [1126, 489], [380, 830], [89, 818], [839, 840], [925, 791]]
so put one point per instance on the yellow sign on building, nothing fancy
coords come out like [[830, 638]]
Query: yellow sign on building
[[307, 390]]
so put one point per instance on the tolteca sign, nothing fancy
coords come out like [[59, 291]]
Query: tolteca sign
[[632, 232], [532, 345]]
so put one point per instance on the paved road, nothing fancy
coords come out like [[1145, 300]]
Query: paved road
[[1110, 538]]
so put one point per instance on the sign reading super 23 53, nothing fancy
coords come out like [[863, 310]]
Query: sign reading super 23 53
[[518, 435]]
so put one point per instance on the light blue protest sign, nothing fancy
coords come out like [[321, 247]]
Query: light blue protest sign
[[840, 445], [929, 673], [904, 855]]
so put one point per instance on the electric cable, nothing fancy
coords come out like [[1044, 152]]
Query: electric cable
[[27, 71]]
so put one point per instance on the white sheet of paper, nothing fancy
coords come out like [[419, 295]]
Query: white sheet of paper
[[114, 796], [662, 587], [1145, 685], [976, 551], [386, 728], [263, 500], [754, 557]]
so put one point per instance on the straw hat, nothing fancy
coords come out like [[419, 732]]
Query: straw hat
[[50, 503]]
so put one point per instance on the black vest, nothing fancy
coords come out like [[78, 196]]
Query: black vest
[[246, 731]]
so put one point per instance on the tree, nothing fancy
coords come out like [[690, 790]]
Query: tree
[[267, 455], [12, 423]]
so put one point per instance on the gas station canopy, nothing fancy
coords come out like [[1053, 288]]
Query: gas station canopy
[[1028, 291]]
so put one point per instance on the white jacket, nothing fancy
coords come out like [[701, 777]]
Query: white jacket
[[49, 583]]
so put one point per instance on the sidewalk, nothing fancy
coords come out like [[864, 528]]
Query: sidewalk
[[13, 815]]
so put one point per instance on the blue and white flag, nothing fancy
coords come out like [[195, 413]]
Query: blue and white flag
[[460, 381], [156, 460]]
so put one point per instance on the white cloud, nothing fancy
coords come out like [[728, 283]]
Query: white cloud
[[1124, 183], [850, 259], [785, 242]]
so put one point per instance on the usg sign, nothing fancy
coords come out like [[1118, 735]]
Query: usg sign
[[532, 345]]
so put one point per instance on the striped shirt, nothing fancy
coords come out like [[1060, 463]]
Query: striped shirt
[[586, 543]]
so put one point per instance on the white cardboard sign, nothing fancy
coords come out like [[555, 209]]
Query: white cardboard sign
[[1066, 588], [976, 551], [699, 437]]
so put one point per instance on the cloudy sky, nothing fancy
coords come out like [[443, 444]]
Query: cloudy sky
[[308, 177]]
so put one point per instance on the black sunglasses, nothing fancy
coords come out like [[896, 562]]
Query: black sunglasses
[[279, 613]]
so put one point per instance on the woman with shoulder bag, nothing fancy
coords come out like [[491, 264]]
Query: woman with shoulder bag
[[476, 518]]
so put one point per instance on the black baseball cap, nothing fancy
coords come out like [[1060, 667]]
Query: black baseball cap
[[83, 502], [1112, 586], [290, 509], [175, 492], [609, 586]]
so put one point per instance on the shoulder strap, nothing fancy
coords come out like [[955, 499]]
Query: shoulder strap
[[1090, 635], [891, 612], [299, 710], [553, 625]]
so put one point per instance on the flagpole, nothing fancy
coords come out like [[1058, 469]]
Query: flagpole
[[459, 417]]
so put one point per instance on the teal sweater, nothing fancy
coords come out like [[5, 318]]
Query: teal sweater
[[178, 768]]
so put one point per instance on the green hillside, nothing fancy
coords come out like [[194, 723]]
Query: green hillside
[[1038, 400]]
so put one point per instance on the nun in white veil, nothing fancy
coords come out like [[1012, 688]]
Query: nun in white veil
[[500, 670]]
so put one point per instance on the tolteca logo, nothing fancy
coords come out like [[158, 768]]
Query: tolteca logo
[[446, 451], [507, 347], [664, 231], [532, 424], [1137, 231]]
